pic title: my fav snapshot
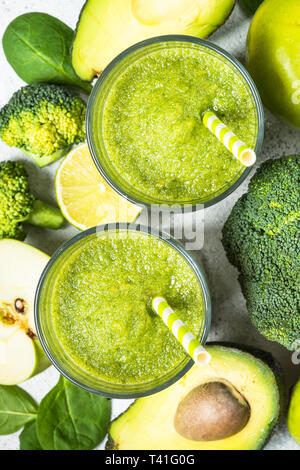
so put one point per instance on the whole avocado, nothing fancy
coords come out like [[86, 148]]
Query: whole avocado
[[273, 51]]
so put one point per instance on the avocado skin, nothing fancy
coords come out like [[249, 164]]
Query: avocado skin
[[251, 5], [229, 14], [96, 74], [74, 36], [264, 356]]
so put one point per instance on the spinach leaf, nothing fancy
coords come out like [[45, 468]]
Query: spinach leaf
[[16, 409], [28, 438], [37, 46], [70, 418]]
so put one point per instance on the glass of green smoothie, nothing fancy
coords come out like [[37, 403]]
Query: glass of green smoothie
[[93, 309], [144, 122]]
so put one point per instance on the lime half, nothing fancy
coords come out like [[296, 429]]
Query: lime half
[[85, 198]]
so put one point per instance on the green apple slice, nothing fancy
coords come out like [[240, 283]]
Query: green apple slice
[[17, 358], [21, 355]]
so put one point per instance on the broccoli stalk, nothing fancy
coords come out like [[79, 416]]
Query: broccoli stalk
[[43, 120], [44, 215], [44, 160], [18, 205]]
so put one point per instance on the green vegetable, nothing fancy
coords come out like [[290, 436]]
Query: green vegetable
[[37, 46], [68, 417], [43, 120], [251, 5], [72, 419], [261, 238], [28, 437], [18, 205], [16, 409]]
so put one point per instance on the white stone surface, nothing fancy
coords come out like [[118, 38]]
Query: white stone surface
[[230, 320]]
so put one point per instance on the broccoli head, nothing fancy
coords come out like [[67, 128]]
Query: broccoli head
[[43, 120], [18, 205], [262, 239]]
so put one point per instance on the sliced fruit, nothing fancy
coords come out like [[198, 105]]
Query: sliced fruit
[[21, 355], [17, 358], [273, 51], [231, 404], [84, 197], [293, 419], [107, 28]]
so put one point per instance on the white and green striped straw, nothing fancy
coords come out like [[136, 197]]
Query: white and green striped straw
[[181, 332], [236, 146]]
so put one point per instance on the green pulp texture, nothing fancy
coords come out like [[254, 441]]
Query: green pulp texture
[[102, 306], [153, 131]]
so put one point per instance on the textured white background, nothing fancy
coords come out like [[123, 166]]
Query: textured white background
[[230, 320]]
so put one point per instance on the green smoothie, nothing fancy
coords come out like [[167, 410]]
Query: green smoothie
[[152, 127], [101, 306]]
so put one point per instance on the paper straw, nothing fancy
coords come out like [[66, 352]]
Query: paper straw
[[237, 147], [181, 331]]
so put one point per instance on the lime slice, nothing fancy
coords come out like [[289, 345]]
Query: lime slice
[[84, 197]]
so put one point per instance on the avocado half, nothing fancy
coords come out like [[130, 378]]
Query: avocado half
[[248, 393], [293, 419], [106, 28]]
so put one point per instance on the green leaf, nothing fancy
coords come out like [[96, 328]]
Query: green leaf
[[70, 418], [37, 46], [28, 438], [16, 409]]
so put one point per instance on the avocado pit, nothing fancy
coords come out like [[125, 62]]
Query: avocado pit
[[211, 411]]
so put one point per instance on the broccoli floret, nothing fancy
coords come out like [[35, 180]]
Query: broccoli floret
[[274, 309], [255, 253], [43, 120], [18, 205], [268, 194], [262, 239]]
